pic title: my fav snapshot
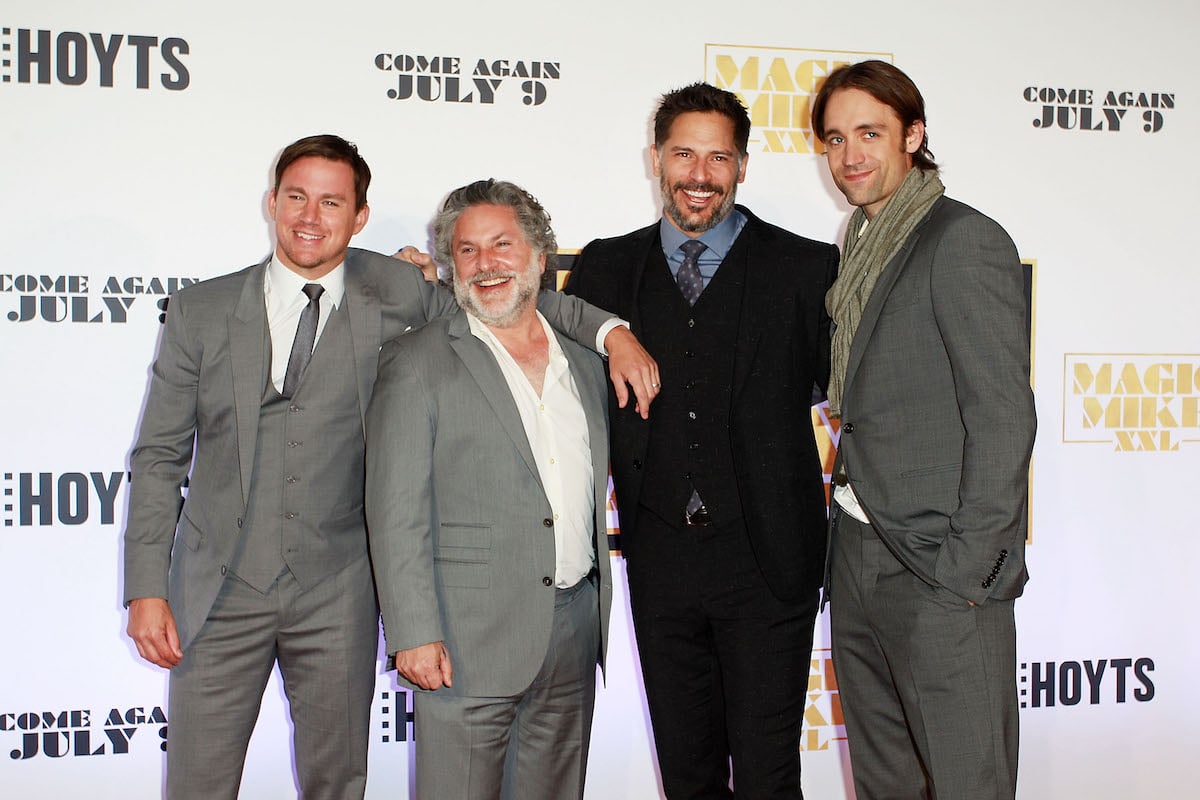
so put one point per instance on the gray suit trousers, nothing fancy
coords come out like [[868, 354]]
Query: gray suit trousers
[[532, 746], [325, 641], [927, 681]]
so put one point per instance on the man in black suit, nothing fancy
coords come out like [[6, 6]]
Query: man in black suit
[[720, 492]]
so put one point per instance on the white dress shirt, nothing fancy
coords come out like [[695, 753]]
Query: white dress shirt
[[557, 430], [284, 292]]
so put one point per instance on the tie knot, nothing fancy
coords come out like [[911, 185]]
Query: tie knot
[[313, 291], [692, 248]]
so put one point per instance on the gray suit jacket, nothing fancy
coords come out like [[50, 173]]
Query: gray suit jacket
[[202, 412], [463, 552], [938, 417]]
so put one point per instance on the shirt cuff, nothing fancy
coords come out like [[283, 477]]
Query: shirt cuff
[[606, 329]]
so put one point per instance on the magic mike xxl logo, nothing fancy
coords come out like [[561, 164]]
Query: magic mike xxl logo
[[1133, 402], [68, 498], [79, 732], [109, 60], [1045, 684], [78, 298], [1106, 110], [777, 85], [823, 721], [452, 79]]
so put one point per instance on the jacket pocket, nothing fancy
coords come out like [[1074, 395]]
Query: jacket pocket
[[463, 555]]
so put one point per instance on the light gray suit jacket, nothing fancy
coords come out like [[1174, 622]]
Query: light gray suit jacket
[[937, 415], [461, 532], [202, 416]]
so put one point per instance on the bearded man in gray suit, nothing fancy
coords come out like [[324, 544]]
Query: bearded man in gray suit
[[487, 470], [931, 379], [260, 390]]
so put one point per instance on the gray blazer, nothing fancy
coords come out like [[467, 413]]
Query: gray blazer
[[938, 416], [201, 416], [462, 552]]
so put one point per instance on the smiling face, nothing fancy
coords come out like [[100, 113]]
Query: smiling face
[[868, 150], [698, 167], [496, 272], [314, 215]]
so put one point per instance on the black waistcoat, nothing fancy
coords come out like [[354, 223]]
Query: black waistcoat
[[689, 443]]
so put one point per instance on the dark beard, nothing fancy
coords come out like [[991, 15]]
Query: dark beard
[[678, 214]]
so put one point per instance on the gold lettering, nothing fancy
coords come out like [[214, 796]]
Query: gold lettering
[[1085, 379], [1129, 382], [728, 71]]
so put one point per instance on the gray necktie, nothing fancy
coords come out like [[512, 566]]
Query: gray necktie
[[688, 276], [306, 336]]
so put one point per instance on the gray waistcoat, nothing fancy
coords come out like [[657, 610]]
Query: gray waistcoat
[[305, 512]]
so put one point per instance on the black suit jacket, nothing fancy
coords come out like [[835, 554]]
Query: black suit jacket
[[781, 352]]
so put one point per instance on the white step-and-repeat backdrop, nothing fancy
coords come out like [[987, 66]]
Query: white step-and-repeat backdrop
[[136, 142]]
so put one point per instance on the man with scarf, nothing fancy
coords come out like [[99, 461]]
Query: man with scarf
[[930, 376]]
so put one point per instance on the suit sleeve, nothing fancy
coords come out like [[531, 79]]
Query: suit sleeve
[[161, 458], [821, 358], [980, 311], [400, 428], [575, 318]]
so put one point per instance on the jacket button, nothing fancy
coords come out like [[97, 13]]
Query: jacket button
[[224, 569], [848, 427], [239, 522], [547, 581], [637, 463], [549, 523]]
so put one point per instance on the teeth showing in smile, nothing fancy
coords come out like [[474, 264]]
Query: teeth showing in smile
[[308, 237], [490, 282], [699, 197]]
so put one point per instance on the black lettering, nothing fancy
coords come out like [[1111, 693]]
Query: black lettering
[[120, 739], [142, 45], [1095, 671], [178, 78], [535, 93], [1140, 669], [71, 58], [44, 500], [1043, 685], [27, 56], [1120, 665], [1070, 683], [72, 498], [487, 89], [106, 491], [107, 55]]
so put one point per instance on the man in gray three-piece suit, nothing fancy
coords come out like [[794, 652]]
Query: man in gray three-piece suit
[[487, 470], [931, 379], [259, 391]]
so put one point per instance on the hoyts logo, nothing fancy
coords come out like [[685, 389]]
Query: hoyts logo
[[72, 58], [1091, 682], [68, 498]]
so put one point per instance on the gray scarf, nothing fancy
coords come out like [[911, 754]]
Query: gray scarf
[[863, 260]]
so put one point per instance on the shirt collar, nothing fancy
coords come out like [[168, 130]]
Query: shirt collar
[[718, 239], [288, 287]]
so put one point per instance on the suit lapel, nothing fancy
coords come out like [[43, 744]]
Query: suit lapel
[[877, 300], [248, 353], [480, 362], [759, 282], [366, 325]]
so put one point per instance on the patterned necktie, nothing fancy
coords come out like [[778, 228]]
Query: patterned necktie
[[306, 337], [688, 276]]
